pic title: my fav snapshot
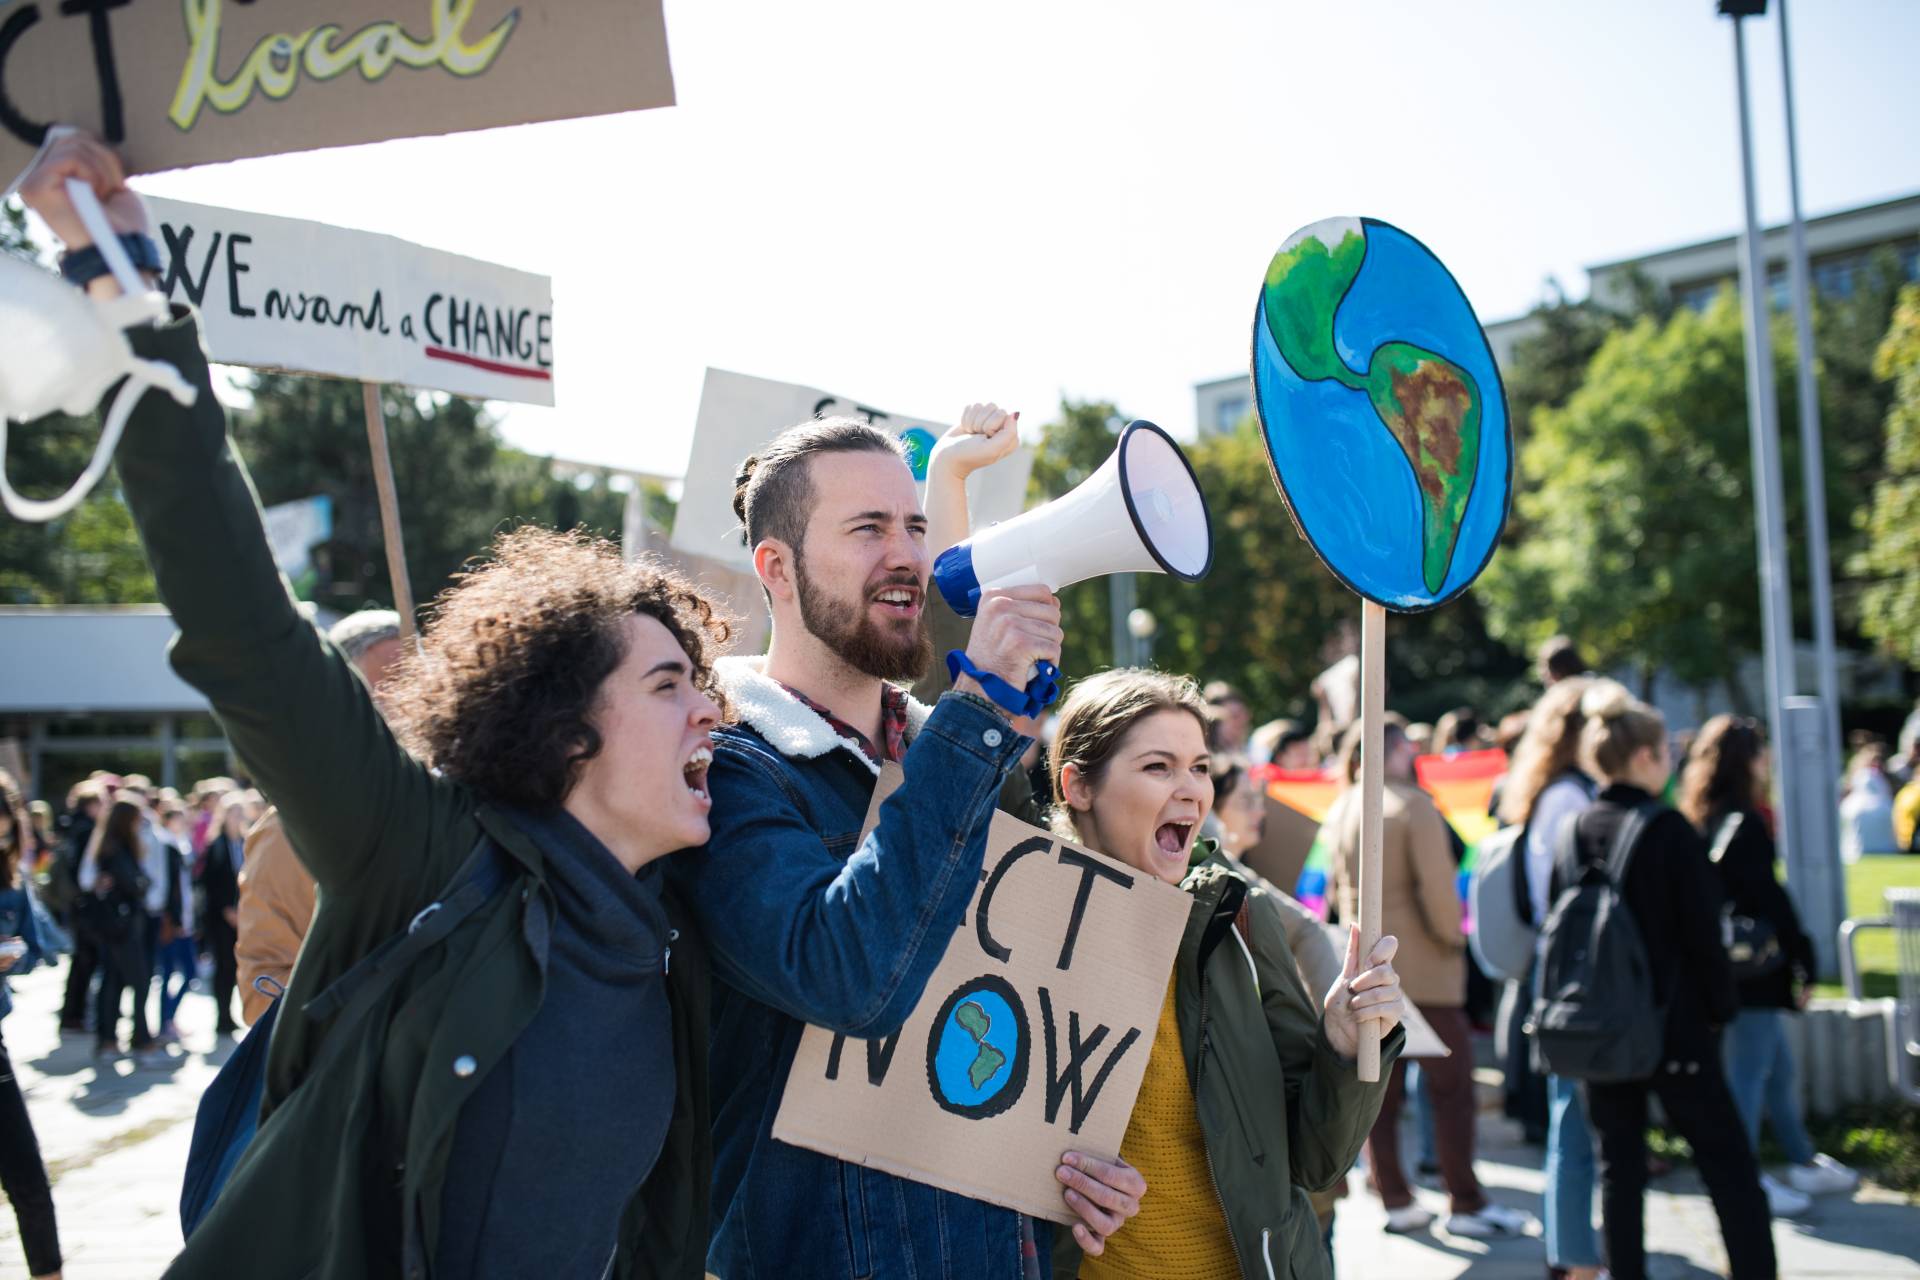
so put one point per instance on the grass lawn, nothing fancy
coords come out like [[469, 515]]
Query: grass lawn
[[1867, 883]]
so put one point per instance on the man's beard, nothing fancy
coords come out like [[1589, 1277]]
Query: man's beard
[[886, 653]]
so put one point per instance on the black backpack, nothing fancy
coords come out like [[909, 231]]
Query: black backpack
[[1595, 1015]]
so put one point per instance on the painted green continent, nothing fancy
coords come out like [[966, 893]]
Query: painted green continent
[[975, 1021], [1429, 404]]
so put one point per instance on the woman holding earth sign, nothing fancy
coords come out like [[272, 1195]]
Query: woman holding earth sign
[[1250, 1098]]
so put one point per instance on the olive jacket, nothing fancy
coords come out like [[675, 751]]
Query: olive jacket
[[344, 1178], [1282, 1114]]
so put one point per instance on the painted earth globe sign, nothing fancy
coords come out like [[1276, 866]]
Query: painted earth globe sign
[[1383, 413]]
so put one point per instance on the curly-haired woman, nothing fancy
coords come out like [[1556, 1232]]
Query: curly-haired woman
[[527, 1097], [1723, 791]]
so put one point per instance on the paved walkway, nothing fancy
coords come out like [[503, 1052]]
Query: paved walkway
[[115, 1141]]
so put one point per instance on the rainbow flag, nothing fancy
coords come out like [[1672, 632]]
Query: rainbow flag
[[1461, 785]]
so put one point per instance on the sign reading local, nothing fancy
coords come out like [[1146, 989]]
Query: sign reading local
[[740, 413], [184, 82], [282, 293], [1031, 1038]]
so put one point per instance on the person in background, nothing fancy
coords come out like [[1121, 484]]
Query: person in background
[[1906, 817], [175, 956], [1675, 900], [1866, 810], [1458, 730], [220, 867], [1723, 792], [276, 890], [23, 1175], [85, 804], [204, 800], [1559, 660], [1232, 720], [1544, 791], [113, 888], [1273, 1110], [1289, 746], [1419, 905]]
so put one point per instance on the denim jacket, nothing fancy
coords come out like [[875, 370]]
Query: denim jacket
[[16, 921], [807, 924]]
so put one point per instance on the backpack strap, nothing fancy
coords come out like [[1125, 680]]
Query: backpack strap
[[1723, 838], [1626, 839], [1522, 892], [356, 990], [1566, 858]]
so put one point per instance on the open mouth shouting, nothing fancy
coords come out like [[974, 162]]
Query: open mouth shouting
[[694, 771], [898, 600], [1172, 840]]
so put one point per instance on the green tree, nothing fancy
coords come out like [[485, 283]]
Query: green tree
[[456, 482], [1890, 559]]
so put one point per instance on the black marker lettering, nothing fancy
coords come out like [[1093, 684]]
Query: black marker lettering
[[426, 315], [1034, 844], [112, 121], [179, 243], [1090, 869], [543, 351], [234, 269], [1060, 1083], [31, 132]]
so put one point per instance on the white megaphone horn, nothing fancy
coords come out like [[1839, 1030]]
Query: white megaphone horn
[[1141, 512]]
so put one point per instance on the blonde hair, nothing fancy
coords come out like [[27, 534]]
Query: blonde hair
[[1095, 718], [1548, 748], [1618, 725]]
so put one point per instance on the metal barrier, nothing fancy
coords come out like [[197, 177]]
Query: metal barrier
[[1903, 1039]]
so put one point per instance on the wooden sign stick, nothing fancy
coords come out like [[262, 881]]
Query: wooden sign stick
[[390, 520], [1373, 708]]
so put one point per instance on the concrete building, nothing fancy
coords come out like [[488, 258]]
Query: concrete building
[[89, 688], [1839, 246]]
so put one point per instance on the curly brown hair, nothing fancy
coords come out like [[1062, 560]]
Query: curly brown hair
[[502, 692]]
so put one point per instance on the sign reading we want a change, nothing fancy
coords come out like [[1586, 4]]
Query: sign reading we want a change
[[1031, 1038], [172, 83], [282, 293]]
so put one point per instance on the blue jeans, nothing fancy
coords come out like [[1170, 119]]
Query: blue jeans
[[1760, 1073], [176, 959], [1421, 1100], [1570, 1171]]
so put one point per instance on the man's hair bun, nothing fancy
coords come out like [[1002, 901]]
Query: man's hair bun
[[741, 480]]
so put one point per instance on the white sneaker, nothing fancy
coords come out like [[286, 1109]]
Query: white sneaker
[[1783, 1201], [1409, 1218], [1821, 1176], [1490, 1221]]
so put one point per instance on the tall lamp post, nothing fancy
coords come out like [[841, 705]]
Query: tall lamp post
[[1797, 725]]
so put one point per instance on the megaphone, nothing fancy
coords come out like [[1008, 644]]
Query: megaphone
[[1141, 512]]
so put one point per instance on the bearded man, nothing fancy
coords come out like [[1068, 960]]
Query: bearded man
[[807, 922]]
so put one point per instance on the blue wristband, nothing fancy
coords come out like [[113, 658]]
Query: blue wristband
[[1040, 691], [81, 266]]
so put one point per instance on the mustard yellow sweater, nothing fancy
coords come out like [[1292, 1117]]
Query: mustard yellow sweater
[[1181, 1231]]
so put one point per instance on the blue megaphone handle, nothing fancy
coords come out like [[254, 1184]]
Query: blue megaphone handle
[[1030, 701]]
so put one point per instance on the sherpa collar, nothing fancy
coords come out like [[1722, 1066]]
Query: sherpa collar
[[788, 725]]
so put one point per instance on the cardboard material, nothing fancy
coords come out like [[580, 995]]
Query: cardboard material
[[1031, 1040], [186, 82], [739, 414], [283, 293]]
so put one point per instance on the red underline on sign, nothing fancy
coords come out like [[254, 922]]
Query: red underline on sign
[[491, 366]]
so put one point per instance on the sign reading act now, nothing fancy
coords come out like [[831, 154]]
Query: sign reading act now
[[1031, 1039]]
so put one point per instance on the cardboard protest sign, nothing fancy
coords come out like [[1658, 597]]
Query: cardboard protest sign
[[184, 82], [282, 293], [1031, 1039], [739, 414]]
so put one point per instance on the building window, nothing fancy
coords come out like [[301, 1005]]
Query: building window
[[1228, 411], [1697, 297], [1835, 279]]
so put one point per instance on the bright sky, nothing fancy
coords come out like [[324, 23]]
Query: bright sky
[[921, 205]]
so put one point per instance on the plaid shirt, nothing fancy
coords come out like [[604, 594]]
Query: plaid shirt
[[893, 723]]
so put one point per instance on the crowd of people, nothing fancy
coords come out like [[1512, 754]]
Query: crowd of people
[[544, 905]]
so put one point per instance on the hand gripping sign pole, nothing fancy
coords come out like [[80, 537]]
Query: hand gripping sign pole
[[1386, 427]]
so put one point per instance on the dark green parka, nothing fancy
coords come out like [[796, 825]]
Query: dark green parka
[[1281, 1113], [344, 1178]]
